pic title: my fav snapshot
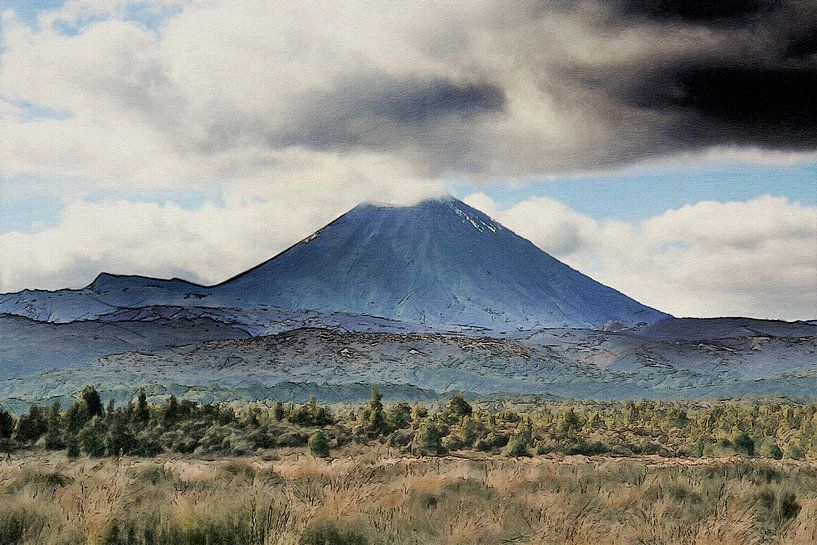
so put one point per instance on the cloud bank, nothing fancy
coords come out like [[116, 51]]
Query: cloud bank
[[482, 91], [756, 258]]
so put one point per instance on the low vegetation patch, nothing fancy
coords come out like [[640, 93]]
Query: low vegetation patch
[[769, 429]]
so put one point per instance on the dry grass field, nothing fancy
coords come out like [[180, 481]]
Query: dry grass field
[[371, 496]]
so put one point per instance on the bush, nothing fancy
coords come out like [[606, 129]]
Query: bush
[[429, 440], [331, 533], [6, 424], [458, 407], [744, 444], [292, 439], [32, 426], [400, 438], [319, 445], [771, 450], [517, 448], [788, 508]]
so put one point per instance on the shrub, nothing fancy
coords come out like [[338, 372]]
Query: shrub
[[429, 440], [458, 407], [319, 445], [400, 438], [331, 533], [517, 448], [32, 426], [744, 444], [292, 439], [6, 424], [788, 508], [771, 450]]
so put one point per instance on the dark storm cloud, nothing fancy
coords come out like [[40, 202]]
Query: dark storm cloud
[[382, 113], [753, 82], [557, 86], [696, 11]]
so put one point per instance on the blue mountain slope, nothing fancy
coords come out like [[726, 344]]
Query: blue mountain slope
[[439, 262]]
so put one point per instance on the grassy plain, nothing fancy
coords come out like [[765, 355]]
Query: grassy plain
[[375, 494]]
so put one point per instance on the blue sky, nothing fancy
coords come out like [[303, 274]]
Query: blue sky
[[638, 193], [632, 195]]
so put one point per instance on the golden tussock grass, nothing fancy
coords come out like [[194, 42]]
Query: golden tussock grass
[[377, 498]]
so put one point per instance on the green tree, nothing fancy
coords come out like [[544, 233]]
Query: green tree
[[457, 406], [120, 440], [93, 403], [429, 439], [75, 417], [376, 421], [570, 422], [170, 412], [72, 446], [7, 424], [53, 438], [141, 415], [398, 416], [319, 444], [32, 426], [92, 437], [418, 413]]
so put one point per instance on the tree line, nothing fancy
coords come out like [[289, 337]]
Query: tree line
[[752, 428]]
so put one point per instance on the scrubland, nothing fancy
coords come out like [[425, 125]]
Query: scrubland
[[371, 496], [172, 472]]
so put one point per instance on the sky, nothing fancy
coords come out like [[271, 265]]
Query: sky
[[667, 149]]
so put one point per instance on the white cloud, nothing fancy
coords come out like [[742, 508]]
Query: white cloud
[[258, 218], [754, 258]]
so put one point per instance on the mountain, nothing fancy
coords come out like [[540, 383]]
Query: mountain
[[439, 263]]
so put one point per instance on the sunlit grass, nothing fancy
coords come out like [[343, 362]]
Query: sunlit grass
[[376, 498]]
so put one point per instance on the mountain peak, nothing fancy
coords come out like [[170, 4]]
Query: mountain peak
[[437, 262]]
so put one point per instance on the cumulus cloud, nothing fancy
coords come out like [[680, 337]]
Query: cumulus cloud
[[210, 242], [753, 258]]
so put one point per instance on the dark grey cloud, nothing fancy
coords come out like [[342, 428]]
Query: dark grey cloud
[[500, 89], [696, 11], [378, 112], [751, 82]]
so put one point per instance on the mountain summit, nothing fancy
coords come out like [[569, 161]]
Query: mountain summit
[[439, 262]]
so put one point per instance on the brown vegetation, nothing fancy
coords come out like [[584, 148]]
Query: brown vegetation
[[368, 497]]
